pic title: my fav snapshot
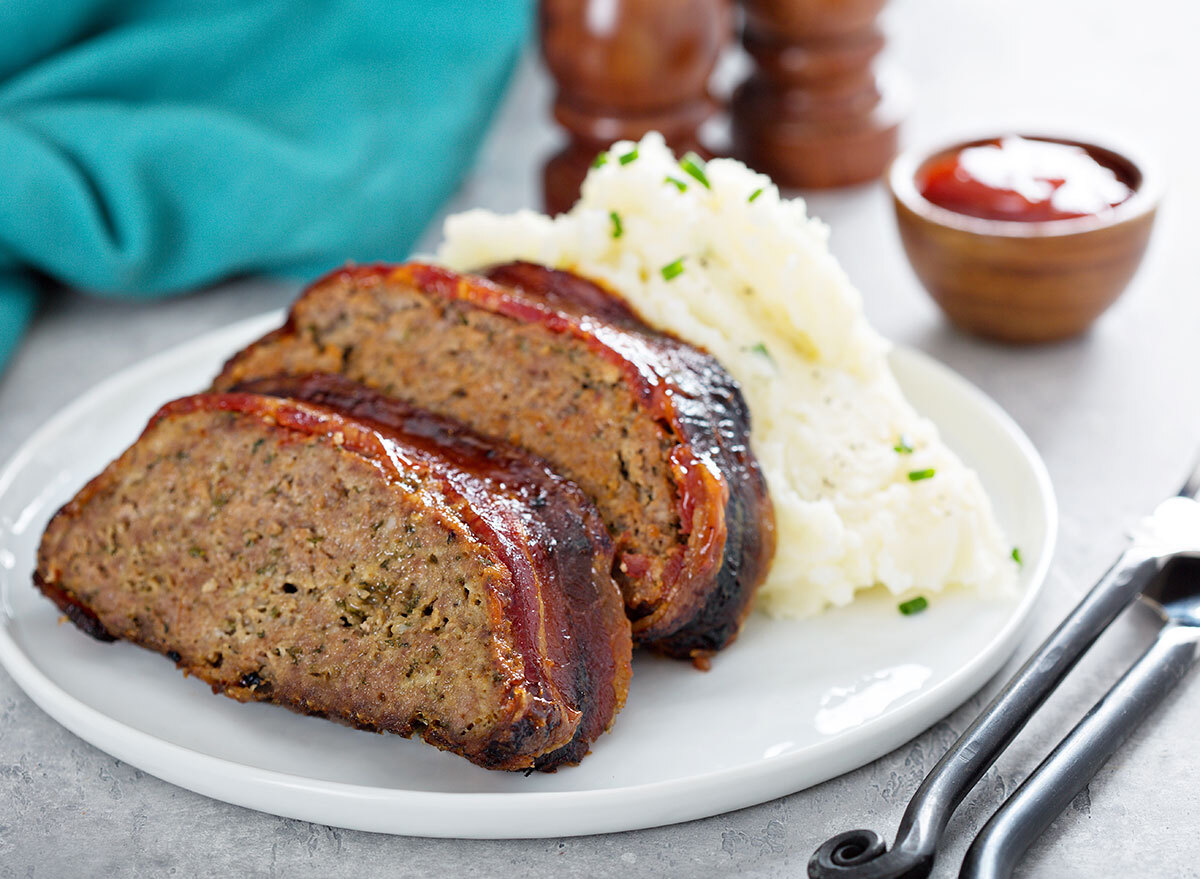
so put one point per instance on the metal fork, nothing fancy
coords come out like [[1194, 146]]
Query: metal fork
[[861, 854], [1175, 596]]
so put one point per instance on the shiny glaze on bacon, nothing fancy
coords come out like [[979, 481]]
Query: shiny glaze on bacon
[[725, 510], [563, 610]]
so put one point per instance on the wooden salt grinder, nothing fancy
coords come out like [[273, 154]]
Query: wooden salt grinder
[[813, 114], [623, 68]]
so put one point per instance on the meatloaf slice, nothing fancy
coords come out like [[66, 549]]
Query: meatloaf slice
[[368, 564], [654, 430]]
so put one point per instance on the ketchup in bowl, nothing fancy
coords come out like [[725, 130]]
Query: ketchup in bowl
[[1023, 180]]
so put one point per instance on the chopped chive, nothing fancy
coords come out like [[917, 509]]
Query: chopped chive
[[196, 552], [755, 194], [628, 157], [679, 184], [601, 159], [918, 475], [694, 165], [760, 348], [903, 446], [617, 229], [673, 269], [914, 605], [1016, 555]]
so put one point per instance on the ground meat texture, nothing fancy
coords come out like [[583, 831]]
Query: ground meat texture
[[292, 553], [654, 431], [554, 396]]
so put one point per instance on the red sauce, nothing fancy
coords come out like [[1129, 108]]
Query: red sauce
[[1023, 180]]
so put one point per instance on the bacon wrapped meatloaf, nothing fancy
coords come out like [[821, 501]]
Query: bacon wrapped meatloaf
[[353, 558], [653, 430]]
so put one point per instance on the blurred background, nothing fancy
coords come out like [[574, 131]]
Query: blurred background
[[1103, 68]]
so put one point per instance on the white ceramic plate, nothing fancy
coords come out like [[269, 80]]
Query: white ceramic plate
[[789, 705]]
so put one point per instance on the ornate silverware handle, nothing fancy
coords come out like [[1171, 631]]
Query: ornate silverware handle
[[1071, 765], [862, 854]]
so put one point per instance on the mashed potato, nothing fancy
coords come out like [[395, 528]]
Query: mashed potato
[[733, 267]]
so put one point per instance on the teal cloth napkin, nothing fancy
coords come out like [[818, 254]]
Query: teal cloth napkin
[[150, 147]]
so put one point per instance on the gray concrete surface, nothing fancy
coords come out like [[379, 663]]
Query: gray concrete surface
[[1115, 414]]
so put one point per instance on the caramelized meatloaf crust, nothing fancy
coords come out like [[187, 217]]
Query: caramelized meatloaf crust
[[655, 431], [366, 563]]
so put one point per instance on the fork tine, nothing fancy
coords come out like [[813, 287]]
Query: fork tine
[[1191, 488]]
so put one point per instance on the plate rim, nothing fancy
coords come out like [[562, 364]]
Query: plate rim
[[508, 814]]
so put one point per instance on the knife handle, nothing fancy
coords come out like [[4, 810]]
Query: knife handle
[[861, 854], [1070, 766]]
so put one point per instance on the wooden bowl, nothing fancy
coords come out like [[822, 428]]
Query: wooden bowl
[[1024, 282]]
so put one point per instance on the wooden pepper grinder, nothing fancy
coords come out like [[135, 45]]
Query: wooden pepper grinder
[[813, 114], [623, 68]]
